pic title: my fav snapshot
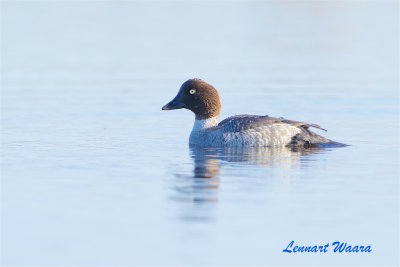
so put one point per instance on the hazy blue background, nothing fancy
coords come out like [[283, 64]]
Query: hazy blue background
[[94, 173]]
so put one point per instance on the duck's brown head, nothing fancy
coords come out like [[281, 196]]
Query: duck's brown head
[[198, 96]]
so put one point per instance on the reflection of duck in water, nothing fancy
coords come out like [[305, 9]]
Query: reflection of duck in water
[[240, 131], [198, 192], [207, 164], [207, 160]]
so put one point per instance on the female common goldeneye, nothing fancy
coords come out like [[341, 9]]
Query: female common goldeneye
[[242, 130]]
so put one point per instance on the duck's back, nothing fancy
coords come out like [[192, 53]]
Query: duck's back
[[250, 130]]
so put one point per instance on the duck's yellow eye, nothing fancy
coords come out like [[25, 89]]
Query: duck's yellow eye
[[192, 91]]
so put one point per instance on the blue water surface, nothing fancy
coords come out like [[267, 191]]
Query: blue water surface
[[94, 173]]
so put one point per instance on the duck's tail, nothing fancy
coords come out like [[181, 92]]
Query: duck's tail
[[307, 138], [330, 143]]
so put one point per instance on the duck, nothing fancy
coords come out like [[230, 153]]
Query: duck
[[203, 100]]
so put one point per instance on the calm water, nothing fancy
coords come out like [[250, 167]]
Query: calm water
[[94, 173]]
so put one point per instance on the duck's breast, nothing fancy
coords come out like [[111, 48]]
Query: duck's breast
[[207, 138]]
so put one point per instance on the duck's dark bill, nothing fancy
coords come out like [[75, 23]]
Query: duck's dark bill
[[174, 104]]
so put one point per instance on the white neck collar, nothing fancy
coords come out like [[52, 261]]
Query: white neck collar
[[205, 124]]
